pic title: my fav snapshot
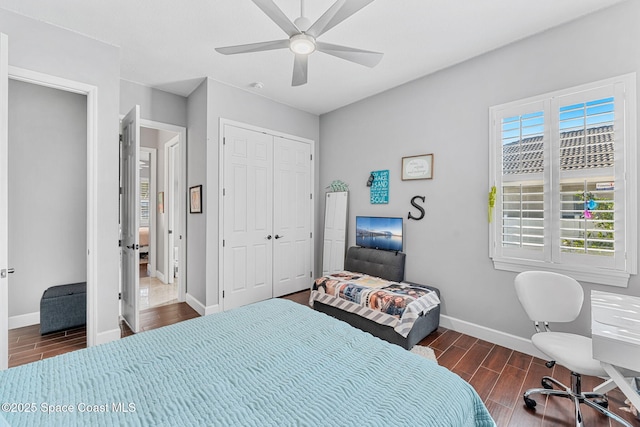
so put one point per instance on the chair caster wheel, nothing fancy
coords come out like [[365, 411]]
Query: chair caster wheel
[[601, 402], [546, 384], [531, 404]]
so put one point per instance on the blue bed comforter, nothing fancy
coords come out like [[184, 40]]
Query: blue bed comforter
[[270, 363]]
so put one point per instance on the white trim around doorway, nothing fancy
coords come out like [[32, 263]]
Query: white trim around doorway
[[182, 230], [91, 92]]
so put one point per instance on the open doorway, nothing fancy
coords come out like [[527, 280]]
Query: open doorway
[[47, 219], [160, 215], [149, 277]]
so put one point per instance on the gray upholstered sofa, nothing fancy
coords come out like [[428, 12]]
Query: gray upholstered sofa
[[387, 265], [63, 307]]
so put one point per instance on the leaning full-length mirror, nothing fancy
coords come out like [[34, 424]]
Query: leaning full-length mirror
[[335, 232]]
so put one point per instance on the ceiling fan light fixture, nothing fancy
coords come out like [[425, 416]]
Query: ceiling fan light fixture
[[302, 44]]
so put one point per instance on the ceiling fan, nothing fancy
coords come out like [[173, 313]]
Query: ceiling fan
[[303, 37]]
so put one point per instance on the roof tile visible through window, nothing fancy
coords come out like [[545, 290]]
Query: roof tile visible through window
[[526, 156]]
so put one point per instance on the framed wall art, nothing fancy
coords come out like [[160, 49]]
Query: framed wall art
[[195, 197], [417, 167]]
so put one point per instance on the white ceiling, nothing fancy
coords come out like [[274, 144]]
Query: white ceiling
[[169, 44]]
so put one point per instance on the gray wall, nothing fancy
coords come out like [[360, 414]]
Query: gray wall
[[197, 175], [207, 105], [154, 104], [47, 192], [41, 47], [447, 114]]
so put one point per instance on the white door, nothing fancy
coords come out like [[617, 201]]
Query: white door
[[130, 217], [292, 206], [4, 198], [172, 211], [247, 217], [335, 232]]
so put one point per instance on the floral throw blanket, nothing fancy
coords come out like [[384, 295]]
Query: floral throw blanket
[[389, 303]]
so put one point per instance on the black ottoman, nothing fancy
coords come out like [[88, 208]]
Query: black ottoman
[[63, 307]]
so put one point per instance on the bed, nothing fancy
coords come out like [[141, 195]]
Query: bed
[[361, 312], [143, 240], [271, 363]]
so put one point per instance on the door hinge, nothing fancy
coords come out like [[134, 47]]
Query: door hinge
[[120, 243], [311, 196], [311, 274], [119, 295], [121, 190], [120, 137], [224, 141], [311, 157], [224, 191], [223, 242], [311, 235], [222, 294]]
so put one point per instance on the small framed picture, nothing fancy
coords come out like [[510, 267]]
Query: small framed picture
[[417, 167], [195, 197], [161, 202]]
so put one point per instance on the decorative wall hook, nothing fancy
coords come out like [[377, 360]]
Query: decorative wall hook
[[370, 180]]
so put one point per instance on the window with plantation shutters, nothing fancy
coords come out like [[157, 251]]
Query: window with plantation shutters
[[564, 168], [144, 202]]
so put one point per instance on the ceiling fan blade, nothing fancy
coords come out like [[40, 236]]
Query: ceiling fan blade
[[300, 70], [359, 56], [277, 16], [254, 47], [338, 12]]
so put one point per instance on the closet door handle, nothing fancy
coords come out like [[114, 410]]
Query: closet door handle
[[269, 237], [279, 237]]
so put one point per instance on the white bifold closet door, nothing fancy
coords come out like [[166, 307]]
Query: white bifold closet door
[[266, 216]]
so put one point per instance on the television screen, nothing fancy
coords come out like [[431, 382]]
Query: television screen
[[379, 232]]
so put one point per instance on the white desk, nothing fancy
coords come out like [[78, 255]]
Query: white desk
[[615, 332]]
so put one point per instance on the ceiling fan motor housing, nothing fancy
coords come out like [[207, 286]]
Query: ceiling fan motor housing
[[302, 44]]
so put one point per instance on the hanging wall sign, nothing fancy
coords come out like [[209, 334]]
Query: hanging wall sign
[[380, 187]]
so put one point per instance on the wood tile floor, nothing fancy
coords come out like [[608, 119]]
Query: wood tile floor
[[498, 374], [26, 345]]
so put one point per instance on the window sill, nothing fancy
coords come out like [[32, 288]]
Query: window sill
[[586, 274]]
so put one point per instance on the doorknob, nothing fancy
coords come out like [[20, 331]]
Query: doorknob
[[279, 237], [133, 246], [269, 237]]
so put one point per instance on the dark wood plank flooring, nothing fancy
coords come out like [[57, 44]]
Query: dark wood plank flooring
[[27, 345], [498, 374]]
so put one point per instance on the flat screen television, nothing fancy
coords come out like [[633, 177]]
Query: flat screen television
[[379, 232]]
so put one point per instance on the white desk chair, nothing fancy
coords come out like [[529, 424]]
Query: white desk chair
[[552, 297]]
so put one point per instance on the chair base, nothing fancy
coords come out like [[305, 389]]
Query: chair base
[[596, 401]]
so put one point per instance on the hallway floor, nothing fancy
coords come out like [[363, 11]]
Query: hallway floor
[[153, 292]]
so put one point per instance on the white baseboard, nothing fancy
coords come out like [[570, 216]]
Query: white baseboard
[[160, 276], [491, 335], [201, 308], [195, 304], [24, 320], [212, 309], [108, 336]]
